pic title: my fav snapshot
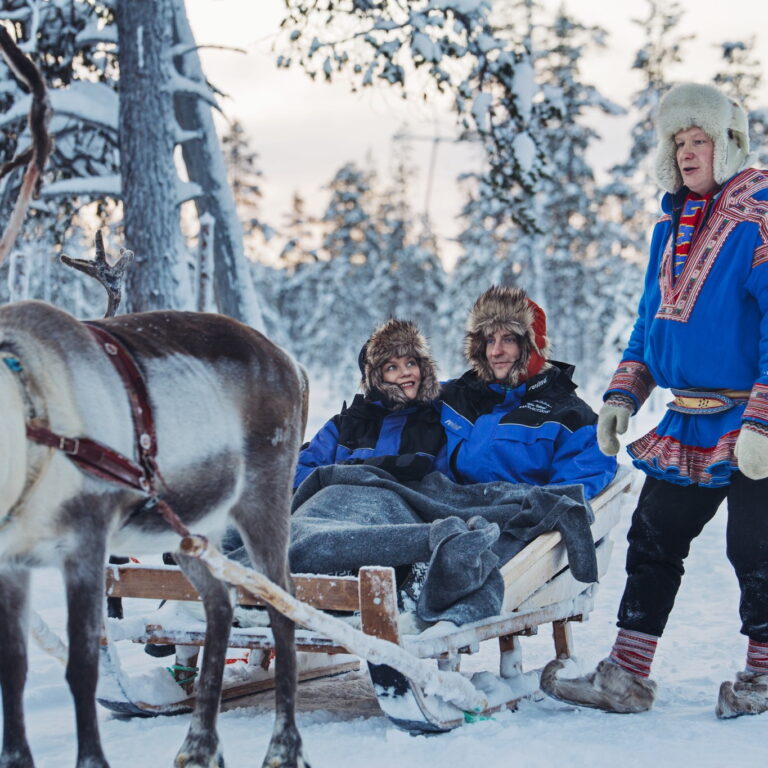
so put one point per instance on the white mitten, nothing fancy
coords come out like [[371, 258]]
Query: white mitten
[[612, 420], [752, 452]]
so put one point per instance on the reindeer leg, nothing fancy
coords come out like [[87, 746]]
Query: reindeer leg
[[84, 582], [267, 541], [14, 597], [201, 748]]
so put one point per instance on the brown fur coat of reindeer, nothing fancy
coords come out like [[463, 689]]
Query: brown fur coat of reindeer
[[229, 409]]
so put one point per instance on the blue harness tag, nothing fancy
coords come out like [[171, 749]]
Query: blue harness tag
[[14, 364]]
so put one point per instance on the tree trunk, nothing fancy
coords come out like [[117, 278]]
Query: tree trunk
[[233, 285], [146, 136]]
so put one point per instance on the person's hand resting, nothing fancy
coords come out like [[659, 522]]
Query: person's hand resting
[[752, 452], [612, 421], [405, 468]]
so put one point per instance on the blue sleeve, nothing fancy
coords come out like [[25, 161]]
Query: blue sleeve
[[577, 459], [320, 452], [757, 285]]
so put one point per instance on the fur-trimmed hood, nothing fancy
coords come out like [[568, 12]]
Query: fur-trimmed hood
[[397, 338], [722, 119], [503, 307]]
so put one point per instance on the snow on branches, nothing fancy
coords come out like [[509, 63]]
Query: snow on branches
[[455, 44]]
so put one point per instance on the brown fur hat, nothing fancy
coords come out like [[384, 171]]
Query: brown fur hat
[[502, 307], [397, 338]]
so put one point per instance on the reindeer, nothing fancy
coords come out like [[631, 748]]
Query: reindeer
[[204, 427]]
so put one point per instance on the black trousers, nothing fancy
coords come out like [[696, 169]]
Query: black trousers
[[668, 517]]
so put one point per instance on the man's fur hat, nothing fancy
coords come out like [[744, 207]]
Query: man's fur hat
[[509, 309], [397, 338], [722, 119]]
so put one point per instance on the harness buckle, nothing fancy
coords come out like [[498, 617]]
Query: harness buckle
[[69, 445]]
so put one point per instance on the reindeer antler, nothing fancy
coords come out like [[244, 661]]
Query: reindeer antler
[[110, 275], [35, 156]]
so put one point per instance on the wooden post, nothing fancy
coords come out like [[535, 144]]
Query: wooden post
[[511, 660], [378, 603], [563, 637]]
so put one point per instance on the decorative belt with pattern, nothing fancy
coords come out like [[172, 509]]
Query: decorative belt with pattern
[[696, 401]]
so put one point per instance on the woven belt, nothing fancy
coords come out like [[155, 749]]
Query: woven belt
[[696, 401]]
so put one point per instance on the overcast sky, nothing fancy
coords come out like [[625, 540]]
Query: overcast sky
[[304, 130]]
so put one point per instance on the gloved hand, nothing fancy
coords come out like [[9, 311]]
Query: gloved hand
[[612, 420], [405, 468], [752, 452]]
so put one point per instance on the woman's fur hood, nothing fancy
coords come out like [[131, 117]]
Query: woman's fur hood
[[504, 308], [722, 119], [397, 338]]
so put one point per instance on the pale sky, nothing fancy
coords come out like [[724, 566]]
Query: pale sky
[[304, 130]]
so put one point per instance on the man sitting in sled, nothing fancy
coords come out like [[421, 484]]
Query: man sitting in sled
[[515, 415]]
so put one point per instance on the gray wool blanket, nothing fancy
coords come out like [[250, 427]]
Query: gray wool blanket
[[345, 517]]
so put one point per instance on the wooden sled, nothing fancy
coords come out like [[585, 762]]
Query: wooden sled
[[539, 589]]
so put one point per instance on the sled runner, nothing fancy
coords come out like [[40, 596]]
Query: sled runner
[[539, 589]]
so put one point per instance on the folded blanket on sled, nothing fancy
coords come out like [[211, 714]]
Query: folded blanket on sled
[[345, 517]]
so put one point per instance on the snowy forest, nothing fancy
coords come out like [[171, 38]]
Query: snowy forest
[[140, 154]]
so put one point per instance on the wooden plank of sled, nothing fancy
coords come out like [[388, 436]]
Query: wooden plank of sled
[[336, 593], [240, 637], [378, 603], [546, 555], [431, 644], [564, 586]]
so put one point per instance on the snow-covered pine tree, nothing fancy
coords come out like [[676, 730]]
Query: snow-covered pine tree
[[297, 232], [630, 200], [409, 276], [424, 45], [485, 259], [558, 265], [633, 187], [245, 179], [741, 77], [573, 290], [330, 305]]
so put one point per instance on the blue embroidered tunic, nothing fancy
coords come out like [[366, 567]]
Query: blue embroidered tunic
[[707, 329]]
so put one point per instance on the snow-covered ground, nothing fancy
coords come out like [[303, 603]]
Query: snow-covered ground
[[343, 727]]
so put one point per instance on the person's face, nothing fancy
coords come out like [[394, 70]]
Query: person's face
[[694, 153], [405, 372], [502, 350]]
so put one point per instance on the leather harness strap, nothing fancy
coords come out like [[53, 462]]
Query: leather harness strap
[[138, 397], [93, 457], [104, 462]]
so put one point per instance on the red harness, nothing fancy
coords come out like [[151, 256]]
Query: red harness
[[104, 462]]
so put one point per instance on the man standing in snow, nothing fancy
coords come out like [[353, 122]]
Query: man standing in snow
[[701, 331]]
